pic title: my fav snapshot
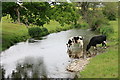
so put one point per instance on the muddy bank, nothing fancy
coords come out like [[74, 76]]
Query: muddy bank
[[77, 65], [79, 62]]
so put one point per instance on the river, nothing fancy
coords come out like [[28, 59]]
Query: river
[[48, 56]]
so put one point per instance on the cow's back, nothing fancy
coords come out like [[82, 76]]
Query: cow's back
[[97, 40]]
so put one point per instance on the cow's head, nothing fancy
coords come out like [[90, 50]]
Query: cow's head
[[105, 43], [80, 37]]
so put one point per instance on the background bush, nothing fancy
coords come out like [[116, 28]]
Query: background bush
[[110, 10], [81, 25], [98, 21], [37, 32], [106, 29], [44, 31]]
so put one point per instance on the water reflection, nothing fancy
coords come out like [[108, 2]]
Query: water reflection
[[75, 55], [29, 68]]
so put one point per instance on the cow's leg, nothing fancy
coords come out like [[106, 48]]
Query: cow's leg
[[81, 44], [68, 46], [95, 47]]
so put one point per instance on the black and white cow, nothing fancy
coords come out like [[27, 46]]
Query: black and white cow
[[73, 40], [101, 39]]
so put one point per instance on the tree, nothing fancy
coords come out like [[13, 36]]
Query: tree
[[65, 13], [40, 13], [92, 14], [37, 13], [110, 10], [9, 8]]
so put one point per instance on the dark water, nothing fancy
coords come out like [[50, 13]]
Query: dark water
[[48, 57]]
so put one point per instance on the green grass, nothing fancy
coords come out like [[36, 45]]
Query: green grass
[[54, 26], [105, 65], [13, 33], [114, 36]]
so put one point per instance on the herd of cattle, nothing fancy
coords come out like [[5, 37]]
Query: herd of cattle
[[101, 39]]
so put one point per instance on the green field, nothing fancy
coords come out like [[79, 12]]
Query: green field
[[105, 65]]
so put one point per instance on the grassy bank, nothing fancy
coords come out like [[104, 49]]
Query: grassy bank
[[13, 33], [105, 65]]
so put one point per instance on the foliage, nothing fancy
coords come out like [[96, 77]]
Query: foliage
[[37, 13], [40, 13], [65, 13], [77, 26], [44, 31], [81, 25], [9, 8], [92, 14], [96, 19], [106, 30], [110, 10], [35, 32], [29, 13]]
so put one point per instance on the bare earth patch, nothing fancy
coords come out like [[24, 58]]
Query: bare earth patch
[[77, 65]]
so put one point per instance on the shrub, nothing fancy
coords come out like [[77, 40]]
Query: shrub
[[35, 32], [77, 26], [44, 31], [58, 29], [84, 25], [81, 25], [97, 22], [106, 30]]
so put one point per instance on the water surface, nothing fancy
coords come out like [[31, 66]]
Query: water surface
[[50, 53]]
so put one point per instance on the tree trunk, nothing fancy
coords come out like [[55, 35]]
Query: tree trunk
[[18, 14]]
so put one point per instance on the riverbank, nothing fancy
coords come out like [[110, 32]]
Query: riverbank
[[104, 65], [13, 33]]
